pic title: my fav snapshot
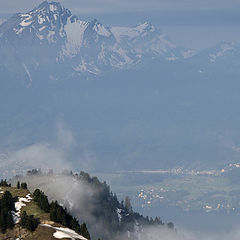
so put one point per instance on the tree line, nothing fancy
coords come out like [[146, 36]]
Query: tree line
[[108, 208], [3, 183], [59, 214], [109, 213], [29, 221], [21, 185]]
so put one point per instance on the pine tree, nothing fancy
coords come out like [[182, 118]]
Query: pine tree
[[53, 212], [23, 221], [18, 185], [84, 231], [24, 185], [170, 225], [10, 223], [29, 222], [3, 222], [128, 205], [7, 201]]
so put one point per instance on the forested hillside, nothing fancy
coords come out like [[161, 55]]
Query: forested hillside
[[91, 201]]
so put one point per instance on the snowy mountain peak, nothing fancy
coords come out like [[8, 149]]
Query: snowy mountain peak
[[50, 6], [51, 32], [44, 23], [146, 26], [50, 12], [142, 30]]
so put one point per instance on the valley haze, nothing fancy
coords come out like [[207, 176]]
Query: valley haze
[[83, 88]]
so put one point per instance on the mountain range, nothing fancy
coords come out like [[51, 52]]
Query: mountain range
[[51, 42], [76, 47]]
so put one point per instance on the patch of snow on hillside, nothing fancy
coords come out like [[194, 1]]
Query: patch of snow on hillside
[[74, 32], [64, 233], [18, 205]]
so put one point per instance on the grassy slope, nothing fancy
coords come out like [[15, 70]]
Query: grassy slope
[[31, 208], [41, 233]]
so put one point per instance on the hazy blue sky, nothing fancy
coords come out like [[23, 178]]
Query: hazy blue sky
[[96, 6], [192, 23]]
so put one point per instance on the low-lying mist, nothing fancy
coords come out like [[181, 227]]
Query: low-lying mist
[[183, 234], [80, 199], [53, 154]]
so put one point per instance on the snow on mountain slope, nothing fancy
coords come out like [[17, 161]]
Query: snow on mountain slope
[[144, 38], [221, 50], [44, 23], [74, 32], [64, 233], [224, 58], [132, 32], [50, 39]]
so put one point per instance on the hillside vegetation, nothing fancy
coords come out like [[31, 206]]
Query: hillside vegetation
[[91, 201], [25, 220]]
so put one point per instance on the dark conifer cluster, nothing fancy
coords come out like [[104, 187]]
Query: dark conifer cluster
[[3, 183], [42, 200], [6, 207], [34, 172], [24, 185], [29, 222], [109, 203], [21, 185], [59, 214]]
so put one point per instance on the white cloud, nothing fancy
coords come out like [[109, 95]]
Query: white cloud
[[56, 154], [43, 155], [39, 155]]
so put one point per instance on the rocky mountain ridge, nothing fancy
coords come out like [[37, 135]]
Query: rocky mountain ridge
[[50, 38]]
